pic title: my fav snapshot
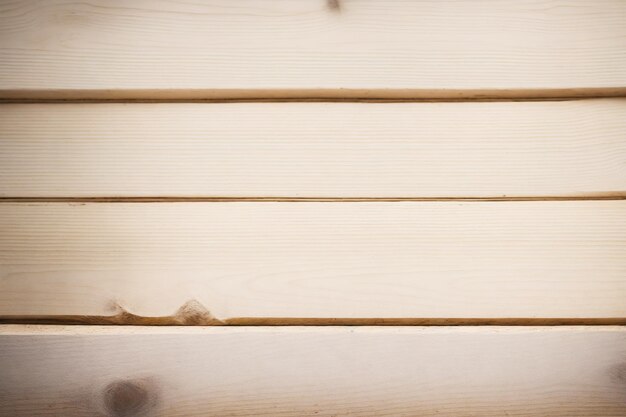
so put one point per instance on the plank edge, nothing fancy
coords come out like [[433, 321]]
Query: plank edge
[[310, 94], [129, 319], [58, 329]]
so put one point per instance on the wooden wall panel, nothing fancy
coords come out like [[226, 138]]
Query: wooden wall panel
[[329, 260], [295, 150], [72, 252], [314, 371], [311, 48]]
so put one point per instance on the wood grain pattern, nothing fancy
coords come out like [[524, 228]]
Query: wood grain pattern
[[300, 150], [312, 260], [311, 48], [313, 371]]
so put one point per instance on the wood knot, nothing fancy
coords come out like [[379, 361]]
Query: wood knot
[[333, 5], [194, 313], [129, 398]]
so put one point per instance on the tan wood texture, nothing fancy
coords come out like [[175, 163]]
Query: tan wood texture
[[310, 260], [311, 48], [313, 371], [296, 150]]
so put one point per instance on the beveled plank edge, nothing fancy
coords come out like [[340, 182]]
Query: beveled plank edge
[[602, 196], [321, 94], [200, 321], [193, 313], [74, 330]]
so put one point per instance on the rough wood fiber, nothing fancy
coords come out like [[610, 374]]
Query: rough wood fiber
[[311, 48], [367, 371], [308, 260], [296, 150]]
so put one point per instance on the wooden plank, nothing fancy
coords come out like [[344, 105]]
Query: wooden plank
[[313, 371], [311, 48], [314, 260], [299, 150]]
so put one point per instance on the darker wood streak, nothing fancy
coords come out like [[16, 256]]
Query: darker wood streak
[[306, 95], [180, 320]]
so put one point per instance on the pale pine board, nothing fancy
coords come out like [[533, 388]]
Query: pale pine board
[[529, 149], [355, 260], [313, 371], [307, 48]]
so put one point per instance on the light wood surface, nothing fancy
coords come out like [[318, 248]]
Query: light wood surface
[[311, 48], [210, 263], [295, 150], [313, 371], [376, 259]]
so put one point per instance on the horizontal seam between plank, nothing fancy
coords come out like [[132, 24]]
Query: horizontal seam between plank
[[305, 100], [134, 320], [599, 197], [193, 313], [307, 94]]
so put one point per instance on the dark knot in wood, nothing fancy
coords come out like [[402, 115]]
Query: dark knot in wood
[[128, 398], [333, 5]]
